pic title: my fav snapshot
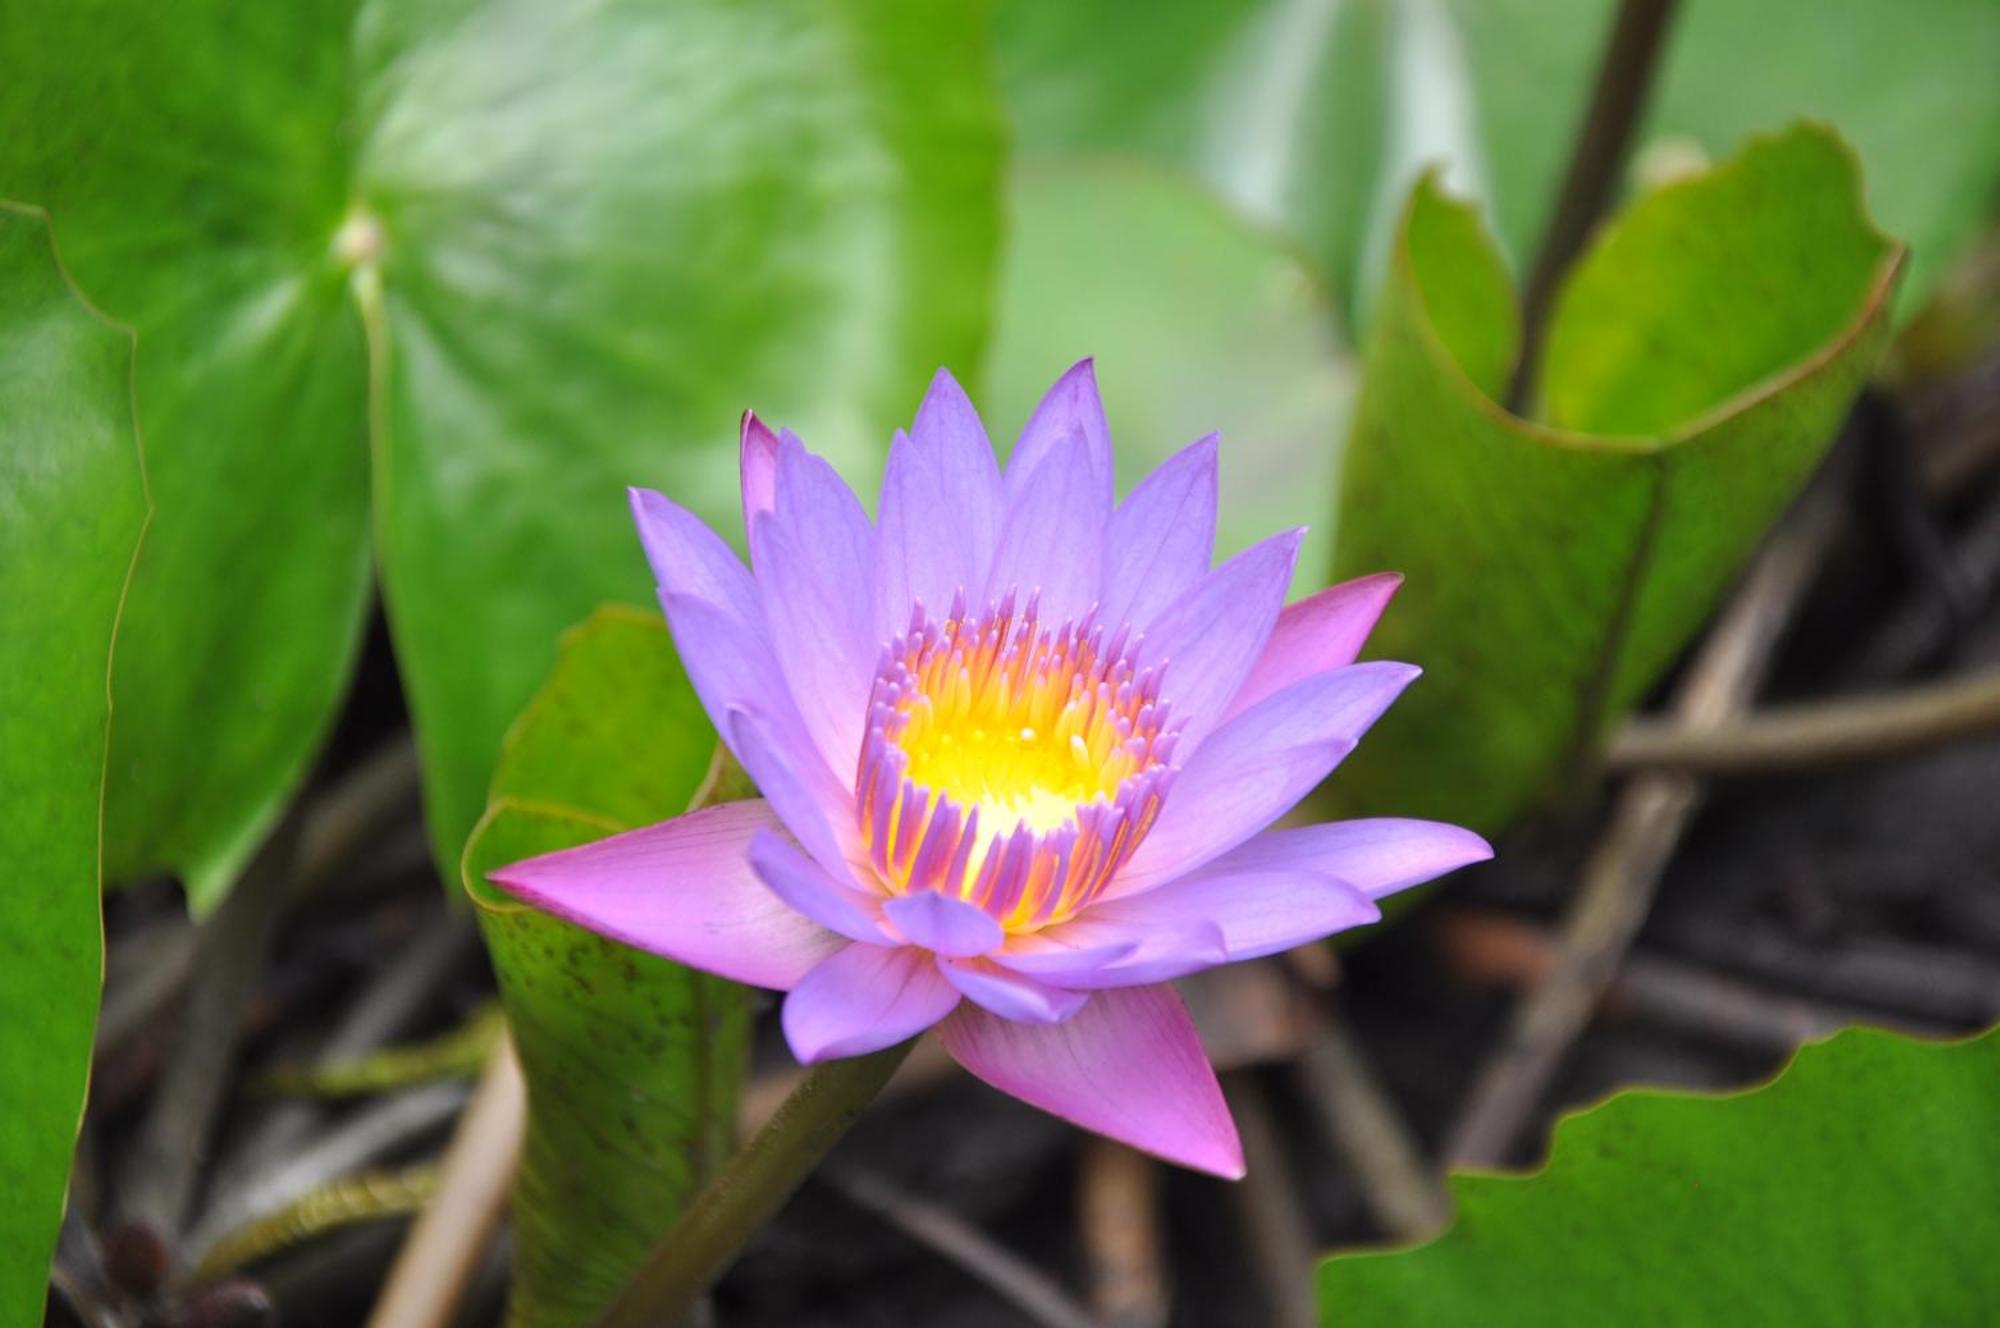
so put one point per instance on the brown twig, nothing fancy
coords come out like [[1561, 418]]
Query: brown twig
[[1486, 947], [1815, 736], [1917, 981], [1400, 1186], [937, 1228], [446, 1246], [384, 1010], [1277, 1236], [1624, 78], [158, 1178], [1618, 879], [363, 1139], [1118, 1219]]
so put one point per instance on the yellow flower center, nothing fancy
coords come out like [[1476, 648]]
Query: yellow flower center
[[1008, 763]]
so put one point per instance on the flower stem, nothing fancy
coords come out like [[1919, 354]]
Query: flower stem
[[1624, 78], [756, 1182]]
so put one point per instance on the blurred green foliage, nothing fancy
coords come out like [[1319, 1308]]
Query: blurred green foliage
[[1855, 1188], [1318, 115]]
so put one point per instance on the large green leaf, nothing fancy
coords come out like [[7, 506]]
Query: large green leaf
[[190, 155], [632, 1063], [1699, 362], [72, 506], [582, 238], [1199, 323], [1862, 1186], [1318, 114]]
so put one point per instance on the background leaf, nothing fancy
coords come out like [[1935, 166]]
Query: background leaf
[[594, 262], [1199, 323], [583, 238], [1858, 1187], [195, 159], [1700, 360], [1904, 83], [72, 507], [1317, 115], [633, 1063]]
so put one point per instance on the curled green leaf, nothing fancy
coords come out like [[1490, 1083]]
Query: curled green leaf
[[1701, 358]]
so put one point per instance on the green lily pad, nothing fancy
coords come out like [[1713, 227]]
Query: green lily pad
[[1861, 1186], [525, 255], [72, 507], [1199, 323], [633, 1064], [1700, 360]]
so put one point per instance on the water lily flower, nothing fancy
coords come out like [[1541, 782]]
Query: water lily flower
[[1020, 748]]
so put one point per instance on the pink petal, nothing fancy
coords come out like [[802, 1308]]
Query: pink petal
[[1052, 543], [1070, 416], [760, 469], [862, 999], [690, 559], [1209, 638], [1255, 767], [944, 925], [802, 883], [733, 671], [1162, 537], [813, 806], [941, 506], [1377, 856], [1129, 1066], [683, 889], [1257, 912], [1011, 995], [1320, 632], [1090, 953], [815, 556]]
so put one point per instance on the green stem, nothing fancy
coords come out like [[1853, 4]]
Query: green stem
[[1624, 78], [754, 1185]]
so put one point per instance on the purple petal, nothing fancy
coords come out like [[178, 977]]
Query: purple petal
[[1162, 537], [1257, 765], [945, 925], [1376, 856], [1208, 639], [1070, 417], [802, 883], [732, 668], [1320, 632], [1129, 1066], [815, 555], [1090, 953], [690, 559], [862, 999], [1052, 544], [683, 889], [941, 507], [813, 806], [1011, 995], [1257, 912], [760, 469]]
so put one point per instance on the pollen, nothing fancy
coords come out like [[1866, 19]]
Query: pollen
[[1010, 763]]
